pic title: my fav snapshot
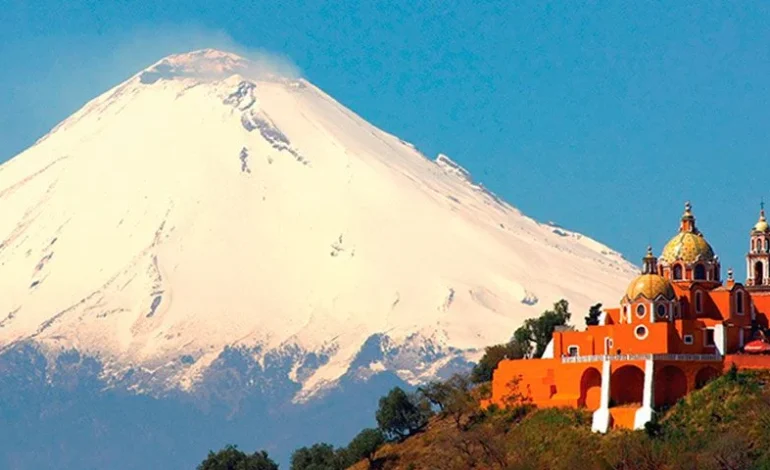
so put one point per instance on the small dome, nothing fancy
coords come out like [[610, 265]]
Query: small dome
[[688, 247], [650, 286], [761, 225]]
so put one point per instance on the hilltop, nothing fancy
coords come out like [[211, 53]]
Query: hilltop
[[725, 425]]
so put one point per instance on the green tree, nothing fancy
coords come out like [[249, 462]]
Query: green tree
[[437, 393], [536, 333], [317, 457], [230, 458], [400, 415], [364, 445], [482, 372], [593, 315], [460, 402]]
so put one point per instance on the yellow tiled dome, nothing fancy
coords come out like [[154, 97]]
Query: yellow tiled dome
[[650, 286], [761, 225], [688, 247]]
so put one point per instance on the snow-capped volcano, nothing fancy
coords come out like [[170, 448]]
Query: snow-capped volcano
[[208, 203]]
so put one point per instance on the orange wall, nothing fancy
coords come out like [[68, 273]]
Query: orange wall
[[545, 382], [745, 361], [591, 341]]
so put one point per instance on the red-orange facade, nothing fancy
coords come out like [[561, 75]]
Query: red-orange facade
[[678, 326]]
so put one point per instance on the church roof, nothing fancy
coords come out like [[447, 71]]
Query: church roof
[[688, 245], [650, 286]]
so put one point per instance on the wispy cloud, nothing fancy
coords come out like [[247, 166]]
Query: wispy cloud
[[144, 46], [78, 67]]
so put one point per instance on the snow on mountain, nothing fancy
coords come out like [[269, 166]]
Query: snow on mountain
[[206, 203]]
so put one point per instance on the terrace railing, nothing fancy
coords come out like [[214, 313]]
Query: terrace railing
[[642, 357]]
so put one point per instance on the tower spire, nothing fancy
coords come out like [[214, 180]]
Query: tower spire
[[761, 225], [688, 220], [649, 262]]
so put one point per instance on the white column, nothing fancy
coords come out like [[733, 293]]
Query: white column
[[601, 417], [749, 275], [644, 414], [719, 338]]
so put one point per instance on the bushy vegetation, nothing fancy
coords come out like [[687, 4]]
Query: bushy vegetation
[[400, 414], [535, 334], [325, 457], [230, 458], [364, 445], [482, 372], [594, 313]]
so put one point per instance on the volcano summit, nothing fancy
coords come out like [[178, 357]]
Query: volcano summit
[[210, 231]]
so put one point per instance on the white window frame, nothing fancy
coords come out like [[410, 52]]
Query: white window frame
[[642, 336], [570, 348], [642, 308]]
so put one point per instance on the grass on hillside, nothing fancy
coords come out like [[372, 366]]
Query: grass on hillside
[[724, 426]]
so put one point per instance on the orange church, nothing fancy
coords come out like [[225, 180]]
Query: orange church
[[678, 326]]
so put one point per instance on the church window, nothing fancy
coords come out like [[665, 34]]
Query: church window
[[573, 351], [698, 302], [767, 245], [739, 303], [641, 332], [677, 272], [759, 274], [700, 272], [709, 338], [688, 339], [661, 310], [640, 310]]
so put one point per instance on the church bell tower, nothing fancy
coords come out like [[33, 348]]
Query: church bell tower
[[758, 259]]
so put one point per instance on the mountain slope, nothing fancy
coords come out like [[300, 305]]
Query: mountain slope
[[206, 203]]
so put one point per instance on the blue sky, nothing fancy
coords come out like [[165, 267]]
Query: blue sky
[[603, 117]]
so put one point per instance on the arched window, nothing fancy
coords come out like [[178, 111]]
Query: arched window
[[700, 272], [677, 272], [661, 310], [739, 303], [759, 274], [767, 245], [698, 302]]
